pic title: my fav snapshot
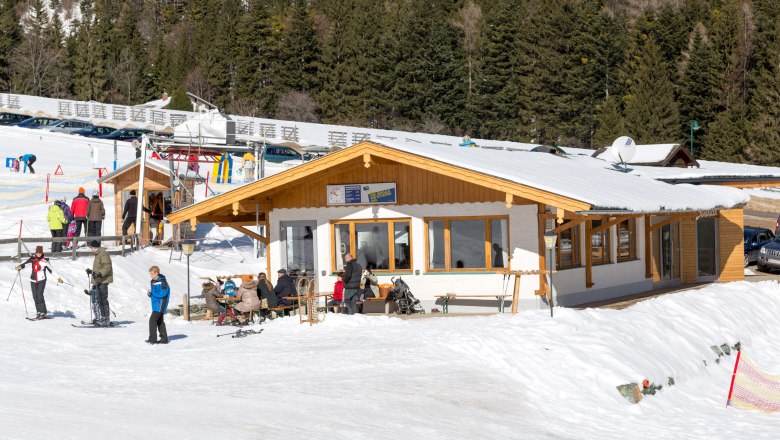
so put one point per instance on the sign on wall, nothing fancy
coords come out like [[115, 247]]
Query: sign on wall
[[362, 194]]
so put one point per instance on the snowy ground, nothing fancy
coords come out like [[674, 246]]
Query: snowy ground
[[525, 376]]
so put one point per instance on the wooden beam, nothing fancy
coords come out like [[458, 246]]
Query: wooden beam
[[568, 225], [609, 224], [588, 255], [246, 231], [244, 218], [193, 224], [509, 199], [367, 160], [648, 249], [559, 213]]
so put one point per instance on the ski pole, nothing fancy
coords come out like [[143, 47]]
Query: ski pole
[[228, 334], [18, 276], [21, 285]]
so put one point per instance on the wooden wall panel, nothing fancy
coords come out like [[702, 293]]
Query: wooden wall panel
[[731, 244], [688, 251], [655, 246], [414, 186]]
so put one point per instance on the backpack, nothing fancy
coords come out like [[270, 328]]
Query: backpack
[[229, 289]]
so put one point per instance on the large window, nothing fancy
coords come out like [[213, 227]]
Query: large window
[[467, 243], [382, 245], [568, 247], [626, 234], [599, 244]]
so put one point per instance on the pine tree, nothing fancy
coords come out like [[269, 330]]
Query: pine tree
[[86, 56], [764, 132], [10, 36], [727, 136], [36, 59], [298, 65], [255, 48], [696, 88], [651, 111], [610, 122]]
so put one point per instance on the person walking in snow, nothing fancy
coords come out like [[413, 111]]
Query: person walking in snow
[[157, 213], [129, 212], [96, 213], [56, 218], [28, 160], [159, 293], [79, 209], [102, 274], [40, 264]]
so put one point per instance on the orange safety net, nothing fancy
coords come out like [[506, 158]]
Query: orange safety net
[[752, 388]]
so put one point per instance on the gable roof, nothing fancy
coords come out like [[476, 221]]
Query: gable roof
[[131, 165], [545, 178]]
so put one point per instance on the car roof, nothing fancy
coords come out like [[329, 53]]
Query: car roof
[[751, 229]]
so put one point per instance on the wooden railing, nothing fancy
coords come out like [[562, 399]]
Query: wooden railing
[[126, 244]]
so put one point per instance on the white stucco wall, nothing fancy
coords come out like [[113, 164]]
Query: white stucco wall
[[522, 235]]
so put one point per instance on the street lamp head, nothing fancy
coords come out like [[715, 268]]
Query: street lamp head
[[188, 248], [695, 125], [550, 239]]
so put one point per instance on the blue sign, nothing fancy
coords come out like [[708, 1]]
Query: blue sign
[[352, 194]]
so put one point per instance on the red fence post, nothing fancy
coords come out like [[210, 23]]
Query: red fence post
[[100, 185], [733, 376], [48, 179]]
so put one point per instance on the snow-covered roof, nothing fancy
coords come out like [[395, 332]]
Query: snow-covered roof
[[582, 178], [649, 153], [130, 165], [708, 170]]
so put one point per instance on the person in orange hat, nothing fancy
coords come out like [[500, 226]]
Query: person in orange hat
[[79, 209]]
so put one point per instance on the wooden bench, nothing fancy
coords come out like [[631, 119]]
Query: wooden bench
[[378, 305], [445, 299]]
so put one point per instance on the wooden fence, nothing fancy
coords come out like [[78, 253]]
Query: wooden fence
[[127, 244]]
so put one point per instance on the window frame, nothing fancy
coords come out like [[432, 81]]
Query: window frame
[[389, 223], [488, 244], [576, 261], [606, 244], [632, 254]]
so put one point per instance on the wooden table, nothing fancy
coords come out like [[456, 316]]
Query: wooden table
[[501, 297]]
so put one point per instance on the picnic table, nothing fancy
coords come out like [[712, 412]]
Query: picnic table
[[446, 297]]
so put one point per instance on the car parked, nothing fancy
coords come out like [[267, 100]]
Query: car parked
[[95, 131], [68, 126], [12, 118], [769, 256], [37, 122], [126, 134], [755, 239]]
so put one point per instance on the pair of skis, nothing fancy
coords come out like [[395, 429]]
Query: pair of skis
[[241, 333]]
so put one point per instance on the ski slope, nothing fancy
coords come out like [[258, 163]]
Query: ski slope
[[526, 376]]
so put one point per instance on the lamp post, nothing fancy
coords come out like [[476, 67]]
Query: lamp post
[[188, 249], [694, 126], [549, 242]]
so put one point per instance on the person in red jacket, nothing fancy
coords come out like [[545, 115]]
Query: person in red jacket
[[79, 209], [338, 292]]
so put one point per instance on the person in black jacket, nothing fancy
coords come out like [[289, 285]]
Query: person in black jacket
[[265, 290], [284, 287], [130, 212], [352, 274]]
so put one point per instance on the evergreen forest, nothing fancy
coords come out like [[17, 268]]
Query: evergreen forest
[[568, 72]]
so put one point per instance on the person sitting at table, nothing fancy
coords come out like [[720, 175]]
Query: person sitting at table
[[338, 293], [284, 287], [210, 293], [247, 295], [265, 291]]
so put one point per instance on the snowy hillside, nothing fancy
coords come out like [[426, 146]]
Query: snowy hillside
[[364, 377]]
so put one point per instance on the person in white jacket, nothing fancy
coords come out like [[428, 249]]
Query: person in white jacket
[[40, 264]]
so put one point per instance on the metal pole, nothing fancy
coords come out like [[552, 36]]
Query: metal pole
[[115, 155], [257, 161], [262, 161], [551, 284], [691, 125], [188, 289], [141, 196], [257, 223]]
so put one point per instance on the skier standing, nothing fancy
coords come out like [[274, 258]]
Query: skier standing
[[56, 219], [102, 275], [40, 264], [79, 209], [159, 292], [95, 214]]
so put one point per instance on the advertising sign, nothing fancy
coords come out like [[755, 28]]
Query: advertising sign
[[362, 194]]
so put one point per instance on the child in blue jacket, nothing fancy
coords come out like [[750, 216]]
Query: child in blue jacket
[[160, 292]]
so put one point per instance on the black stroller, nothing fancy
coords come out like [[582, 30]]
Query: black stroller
[[405, 302]]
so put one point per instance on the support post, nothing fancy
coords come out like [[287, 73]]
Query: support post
[[516, 294], [186, 308], [648, 249], [257, 161], [115, 155], [48, 179]]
